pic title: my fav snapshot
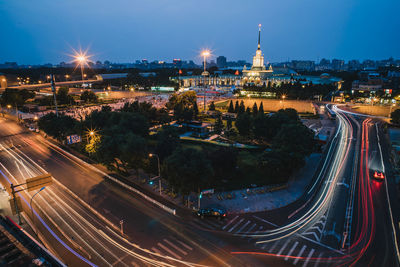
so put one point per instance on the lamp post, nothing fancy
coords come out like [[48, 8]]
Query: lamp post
[[159, 171], [33, 218], [205, 54]]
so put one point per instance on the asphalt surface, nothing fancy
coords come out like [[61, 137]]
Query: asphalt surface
[[74, 231], [345, 218]]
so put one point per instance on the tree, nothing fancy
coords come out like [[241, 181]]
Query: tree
[[243, 124], [167, 141], [184, 104], [261, 108], [219, 125], [237, 106], [195, 110], [395, 115], [88, 96], [242, 108], [63, 97], [255, 109], [295, 138], [231, 109], [57, 127], [223, 161], [211, 107], [187, 170], [16, 97], [248, 111], [229, 123]]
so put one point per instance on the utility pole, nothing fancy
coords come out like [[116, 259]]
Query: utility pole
[[16, 204], [53, 89]]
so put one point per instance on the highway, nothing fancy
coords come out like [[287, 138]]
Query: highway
[[78, 234]]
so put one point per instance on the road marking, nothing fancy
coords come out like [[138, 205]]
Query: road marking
[[321, 244], [243, 226], [169, 251], [231, 221], [313, 233], [299, 255], [251, 228], [265, 221], [273, 247], [308, 258], [291, 251], [157, 251], [175, 247], [319, 259], [233, 227], [203, 224], [183, 244], [216, 225], [283, 247]]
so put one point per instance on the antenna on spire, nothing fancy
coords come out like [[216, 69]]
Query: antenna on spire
[[259, 34]]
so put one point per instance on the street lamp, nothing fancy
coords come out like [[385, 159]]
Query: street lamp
[[33, 218], [159, 172], [81, 59], [205, 54]]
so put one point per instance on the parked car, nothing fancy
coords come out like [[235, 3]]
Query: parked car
[[218, 213]]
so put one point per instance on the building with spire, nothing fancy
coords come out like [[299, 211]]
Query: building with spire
[[258, 71]]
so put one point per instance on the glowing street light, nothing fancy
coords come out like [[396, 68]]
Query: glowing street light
[[81, 58]]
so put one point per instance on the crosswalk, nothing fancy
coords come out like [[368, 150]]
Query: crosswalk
[[296, 253], [234, 225], [305, 250], [172, 247]]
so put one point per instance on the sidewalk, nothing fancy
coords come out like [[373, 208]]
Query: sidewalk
[[266, 198]]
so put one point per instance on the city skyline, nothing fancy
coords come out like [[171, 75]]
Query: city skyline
[[124, 32]]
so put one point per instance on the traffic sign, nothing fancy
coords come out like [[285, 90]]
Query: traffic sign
[[39, 181], [72, 139]]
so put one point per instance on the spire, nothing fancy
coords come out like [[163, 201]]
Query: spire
[[259, 34]]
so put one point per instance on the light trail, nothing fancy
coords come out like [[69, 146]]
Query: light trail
[[30, 167], [326, 195]]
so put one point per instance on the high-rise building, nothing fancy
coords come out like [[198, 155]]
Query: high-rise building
[[338, 64], [221, 62]]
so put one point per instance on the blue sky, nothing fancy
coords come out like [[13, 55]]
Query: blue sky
[[41, 31]]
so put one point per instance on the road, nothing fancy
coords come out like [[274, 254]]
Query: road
[[75, 231], [345, 217]]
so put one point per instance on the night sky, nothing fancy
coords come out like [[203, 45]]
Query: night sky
[[46, 31]]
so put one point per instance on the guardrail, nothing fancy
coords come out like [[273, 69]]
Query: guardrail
[[27, 240]]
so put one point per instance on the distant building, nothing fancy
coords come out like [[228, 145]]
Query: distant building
[[258, 72], [221, 62], [303, 65], [338, 65], [354, 65], [369, 81]]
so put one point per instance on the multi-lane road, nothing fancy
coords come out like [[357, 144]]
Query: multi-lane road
[[344, 218]]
